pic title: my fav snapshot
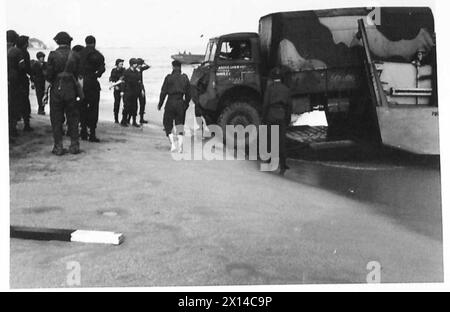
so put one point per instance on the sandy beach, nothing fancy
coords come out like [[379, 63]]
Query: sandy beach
[[194, 223]]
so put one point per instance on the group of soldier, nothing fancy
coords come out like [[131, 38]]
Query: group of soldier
[[128, 84], [69, 79], [70, 75]]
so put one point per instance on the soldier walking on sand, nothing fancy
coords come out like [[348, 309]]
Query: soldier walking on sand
[[177, 88], [62, 72], [92, 67]]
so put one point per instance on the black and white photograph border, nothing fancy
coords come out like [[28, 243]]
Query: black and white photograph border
[[197, 183]]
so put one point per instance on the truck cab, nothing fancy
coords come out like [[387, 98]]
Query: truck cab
[[227, 86]]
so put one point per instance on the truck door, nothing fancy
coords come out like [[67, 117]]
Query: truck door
[[237, 64]]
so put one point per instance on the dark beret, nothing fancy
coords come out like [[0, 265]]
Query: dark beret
[[133, 61], [40, 54], [63, 38], [140, 61], [119, 61], [90, 40], [176, 63]]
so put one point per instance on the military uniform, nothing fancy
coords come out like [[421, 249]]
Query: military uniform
[[24, 83], [38, 78], [92, 66], [116, 75], [277, 111], [177, 88], [15, 64], [142, 98], [62, 70], [132, 89]]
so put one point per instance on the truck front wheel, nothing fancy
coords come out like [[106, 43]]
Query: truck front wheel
[[240, 114]]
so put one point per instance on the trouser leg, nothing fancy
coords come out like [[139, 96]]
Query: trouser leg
[[133, 106], [57, 118], [142, 102], [73, 117], [117, 98], [168, 121], [25, 106], [40, 90], [92, 109], [83, 116], [13, 109]]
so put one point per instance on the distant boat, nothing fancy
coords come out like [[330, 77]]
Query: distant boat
[[188, 58]]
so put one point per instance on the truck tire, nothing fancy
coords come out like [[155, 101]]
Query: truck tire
[[240, 113]]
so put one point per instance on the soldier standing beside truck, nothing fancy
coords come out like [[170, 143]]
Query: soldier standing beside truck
[[277, 112], [177, 88]]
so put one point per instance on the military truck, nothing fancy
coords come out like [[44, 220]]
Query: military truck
[[371, 70]]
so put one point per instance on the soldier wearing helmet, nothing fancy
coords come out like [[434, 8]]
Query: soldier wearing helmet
[[63, 67]]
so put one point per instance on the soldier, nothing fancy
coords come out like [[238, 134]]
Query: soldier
[[24, 84], [277, 111], [62, 72], [115, 77], [176, 86], [92, 67], [16, 63], [142, 99], [38, 68], [131, 88]]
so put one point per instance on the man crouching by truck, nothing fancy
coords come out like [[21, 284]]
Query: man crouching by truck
[[176, 86], [277, 112]]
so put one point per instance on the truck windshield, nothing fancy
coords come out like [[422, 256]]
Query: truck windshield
[[211, 51]]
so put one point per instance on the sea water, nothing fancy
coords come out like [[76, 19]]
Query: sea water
[[159, 58]]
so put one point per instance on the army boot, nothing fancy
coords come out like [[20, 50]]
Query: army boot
[[58, 149], [135, 124], [180, 143], [173, 147], [83, 134], [74, 148], [142, 120], [27, 127], [124, 123], [116, 118], [92, 137]]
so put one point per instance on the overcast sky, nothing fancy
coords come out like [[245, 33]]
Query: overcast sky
[[152, 22]]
